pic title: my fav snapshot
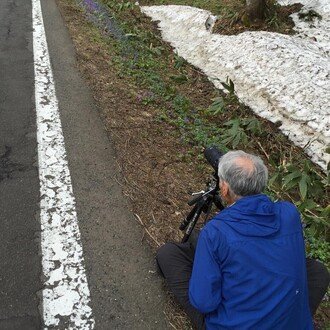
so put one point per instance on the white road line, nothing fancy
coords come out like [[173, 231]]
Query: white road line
[[66, 296]]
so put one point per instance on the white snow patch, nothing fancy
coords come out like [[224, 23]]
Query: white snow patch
[[282, 78], [317, 30]]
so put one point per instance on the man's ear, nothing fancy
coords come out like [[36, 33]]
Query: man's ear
[[224, 189]]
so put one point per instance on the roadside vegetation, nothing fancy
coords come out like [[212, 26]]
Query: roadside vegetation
[[162, 112], [233, 17]]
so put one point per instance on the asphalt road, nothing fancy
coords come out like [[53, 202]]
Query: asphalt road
[[125, 291], [19, 184]]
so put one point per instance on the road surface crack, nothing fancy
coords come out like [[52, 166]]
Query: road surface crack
[[7, 167]]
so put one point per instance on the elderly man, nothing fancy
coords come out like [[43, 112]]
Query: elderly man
[[249, 269]]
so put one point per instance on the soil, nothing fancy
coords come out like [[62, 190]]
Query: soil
[[158, 171]]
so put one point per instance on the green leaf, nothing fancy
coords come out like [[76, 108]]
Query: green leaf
[[229, 86], [303, 187], [313, 230], [326, 212], [232, 122], [307, 166], [179, 61], [291, 168], [236, 140], [182, 78], [217, 106], [227, 140], [288, 178], [274, 178], [252, 125], [293, 183], [307, 204]]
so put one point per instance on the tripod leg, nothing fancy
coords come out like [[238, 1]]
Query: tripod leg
[[189, 217]]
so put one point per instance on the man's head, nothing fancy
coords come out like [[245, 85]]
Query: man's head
[[241, 175]]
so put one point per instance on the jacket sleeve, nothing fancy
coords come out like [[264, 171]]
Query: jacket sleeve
[[205, 281]]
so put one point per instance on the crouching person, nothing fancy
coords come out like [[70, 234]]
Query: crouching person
[[249, 268]]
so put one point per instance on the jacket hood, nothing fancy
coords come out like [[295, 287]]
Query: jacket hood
[[252, 216]]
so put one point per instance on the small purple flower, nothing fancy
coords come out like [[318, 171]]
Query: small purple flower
[[91, 5]]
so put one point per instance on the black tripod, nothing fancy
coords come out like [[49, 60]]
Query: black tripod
[[204, 200]]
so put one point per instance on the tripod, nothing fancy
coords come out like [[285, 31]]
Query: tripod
[[203, 202]]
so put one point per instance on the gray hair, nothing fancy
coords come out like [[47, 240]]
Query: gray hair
[[243, 180]]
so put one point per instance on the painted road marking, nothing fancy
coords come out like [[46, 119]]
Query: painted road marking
[[66, 296]]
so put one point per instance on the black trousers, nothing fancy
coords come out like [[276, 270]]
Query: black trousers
[[175, 261]]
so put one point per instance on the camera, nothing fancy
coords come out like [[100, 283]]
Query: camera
[[213, 155]]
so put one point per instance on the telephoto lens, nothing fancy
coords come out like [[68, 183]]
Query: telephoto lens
[[213, 155]]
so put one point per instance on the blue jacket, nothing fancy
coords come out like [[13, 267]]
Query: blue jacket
[[249, 270]]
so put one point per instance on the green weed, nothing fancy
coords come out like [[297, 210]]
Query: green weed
[[229, 86], [309, 16], [217, 106], [125, 5]]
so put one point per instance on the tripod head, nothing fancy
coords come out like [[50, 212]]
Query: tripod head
[[203, 201]]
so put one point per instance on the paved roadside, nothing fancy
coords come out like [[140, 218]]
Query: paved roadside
[[125, 292], [20, 271]]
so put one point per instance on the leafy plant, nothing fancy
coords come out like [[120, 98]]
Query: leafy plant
[[273, 20], [217, 106], [252, 125], [179, 62], [317, 248], [309, 15], [181, 78], [181, 104], [125, 5], [235, 134], [157, 50], [229, 86], [307, 180], [306, 188]]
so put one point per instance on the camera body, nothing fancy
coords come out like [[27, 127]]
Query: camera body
[[213, 155]]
